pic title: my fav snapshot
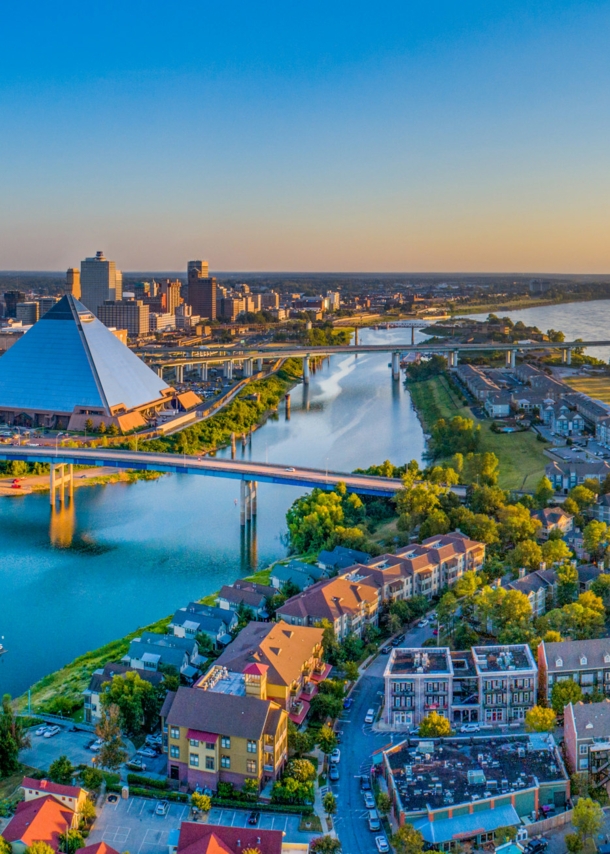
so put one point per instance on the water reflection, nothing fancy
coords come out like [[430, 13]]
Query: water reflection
[[63, 524], [248, 546]]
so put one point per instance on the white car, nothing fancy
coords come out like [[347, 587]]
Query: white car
[[41, 730], [422, 624], [162, 808], [470, 728], [370, 716], [146, 751], [97, 745], [369, 801], [382, 844], [335, 756], [51, 731]]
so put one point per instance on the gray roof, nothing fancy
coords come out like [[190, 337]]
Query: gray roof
[[116, 669], [222, 714], [589, 572], [204, 622], [570, 653], [69, 358], [285, 574], [592, 719], [533, 582], [187, 644], [210, 611], [341, 558], [167, 654]]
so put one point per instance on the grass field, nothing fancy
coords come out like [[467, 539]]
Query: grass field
[[597, 387], [521, 459]]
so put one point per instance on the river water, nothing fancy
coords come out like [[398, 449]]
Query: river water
[[129, 554]]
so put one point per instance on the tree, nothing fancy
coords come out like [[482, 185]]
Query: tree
[[563, 694], [407, 840], [539, 719], [527, 554], [202, 802], [325, 845], [384, 803], [555, 551], [601, 588], [456, 435], [595, 537], [481, 469], [350, 669], [136, 699], [329, 804], [486, 499], [467, 585], [61, 771], [13, 738], [299, 742], [325, 706], [87, 813], [89, 426], [587, 818], [567, 583], [112, 752], [327, 740], [505, 834], [446, 611], [302, 770], [544, 492], [39, 848], [570, 506], [434, 726], [573, 843], [435, 523], [91, 778], [582, 496], [71, 841], [516, 524]]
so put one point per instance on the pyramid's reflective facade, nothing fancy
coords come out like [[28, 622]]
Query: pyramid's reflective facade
[[68, 365]]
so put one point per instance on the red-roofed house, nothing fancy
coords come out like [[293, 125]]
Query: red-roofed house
[[39, 820], [98, 848], [217, 839], [72, 796]]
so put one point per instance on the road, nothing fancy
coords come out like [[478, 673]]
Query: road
[[357, 743]]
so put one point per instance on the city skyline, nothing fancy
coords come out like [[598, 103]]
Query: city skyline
[[420, 137]]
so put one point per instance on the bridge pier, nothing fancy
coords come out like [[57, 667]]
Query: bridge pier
[[180, 373], [356, 336], [569, 358], [58, 479], [248, 501], [160, 371], [412, 336], [306, 370], [259, 365], [511, 359], [203, 372], [395, 365], [247, 368], [227, 369]]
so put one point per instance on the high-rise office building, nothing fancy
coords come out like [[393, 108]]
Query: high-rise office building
[[46, 304], [99, 281], [131, 315], [11, 299], [28, 312], [201, 295], [171, 291], [73, 282]]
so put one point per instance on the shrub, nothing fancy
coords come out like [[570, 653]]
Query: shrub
[[146, 782]]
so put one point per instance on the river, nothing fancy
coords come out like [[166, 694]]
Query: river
[[130, 554]]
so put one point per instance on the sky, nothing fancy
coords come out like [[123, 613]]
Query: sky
[[320, 136]]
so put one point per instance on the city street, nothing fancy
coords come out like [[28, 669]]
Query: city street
[[357, 743]]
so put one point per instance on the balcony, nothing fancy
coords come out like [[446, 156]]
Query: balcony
[[269, 748], [269, 769]]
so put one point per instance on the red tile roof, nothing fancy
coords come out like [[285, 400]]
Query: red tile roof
[[50, 788], [40, 820], [198, 838], [98, 848]]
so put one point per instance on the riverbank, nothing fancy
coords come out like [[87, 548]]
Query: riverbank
[[522, 461], [97, 476], [496, 306]]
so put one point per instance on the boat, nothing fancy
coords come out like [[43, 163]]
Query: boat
[[3, 649]]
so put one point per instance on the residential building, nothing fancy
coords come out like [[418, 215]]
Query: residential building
[[588, 575], [586, 662], [586, 734], [539, 586], [553, 519], [42, 819], [103, 675], [297, 573], [248, 594], [476, 381], [197, 838], [99, 281], [349, 601], [71, 796], [498, 404], [486, 685], [593, 411], [341, 558], [213, 736], [292, 656], [466, 789], [28, 312], [564, 420], [91, 377], [128, 314], [601, 510], [73, 282], [441, 560], [564, 476], [216, 623], [152, 650]]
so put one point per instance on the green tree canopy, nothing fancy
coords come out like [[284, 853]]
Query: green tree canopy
[[112, 753], [434, 726], [587, 818], [407, 840], [540, 719], [544, 492], [555, 551], [136, 699], [564, 693], [61, 771], [13, 737], [527, 554]]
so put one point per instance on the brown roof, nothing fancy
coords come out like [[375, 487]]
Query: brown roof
[[223, 714], [40, 820], [282, 647], [50, 788], [331, 598], [198, 838], [236, 595]]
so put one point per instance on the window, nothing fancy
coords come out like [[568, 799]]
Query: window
[[225, 741], [583, 660], [194, 760], [174, 751], [175, 732], [559, 662], [225, 761], [251, 766], [251, 746], [193, 742], [209, 763], [209, 745], [583, 749]]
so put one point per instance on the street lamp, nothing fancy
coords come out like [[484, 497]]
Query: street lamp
[[57, 440]]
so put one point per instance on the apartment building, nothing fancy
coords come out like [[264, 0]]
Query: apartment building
[[586, 732], [103, 676], [486, 685], [564, 476], [225, 730], [553, 519], [539, 586], [586, 662]]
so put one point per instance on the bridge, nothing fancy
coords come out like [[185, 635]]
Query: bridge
[[63, 460], [451, 350]]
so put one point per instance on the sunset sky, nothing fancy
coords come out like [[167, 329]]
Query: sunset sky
[[319, 136]]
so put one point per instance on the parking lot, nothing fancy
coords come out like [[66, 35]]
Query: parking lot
[[133, 826], [44, 751]]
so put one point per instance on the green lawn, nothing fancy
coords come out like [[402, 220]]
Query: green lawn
[[521, 455]]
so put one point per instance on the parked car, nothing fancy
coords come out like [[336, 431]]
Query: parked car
[[333, 774], [382, 844], [373, 819], [254, 817], [470, 728], [365, 783], [335, 756], [422, 623], [386, 649], [97, 745], [154, 741], [135, 764], [348, 703], [162, 808], [536, 846], [51, 731], [41, 730], [147, 751], [370, 716], [369, 801]]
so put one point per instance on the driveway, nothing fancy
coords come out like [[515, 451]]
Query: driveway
[[44, 751]]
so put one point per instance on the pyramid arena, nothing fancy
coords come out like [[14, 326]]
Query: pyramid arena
[[70, 368]]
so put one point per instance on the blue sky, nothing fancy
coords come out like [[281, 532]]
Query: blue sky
[[306, 136]]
